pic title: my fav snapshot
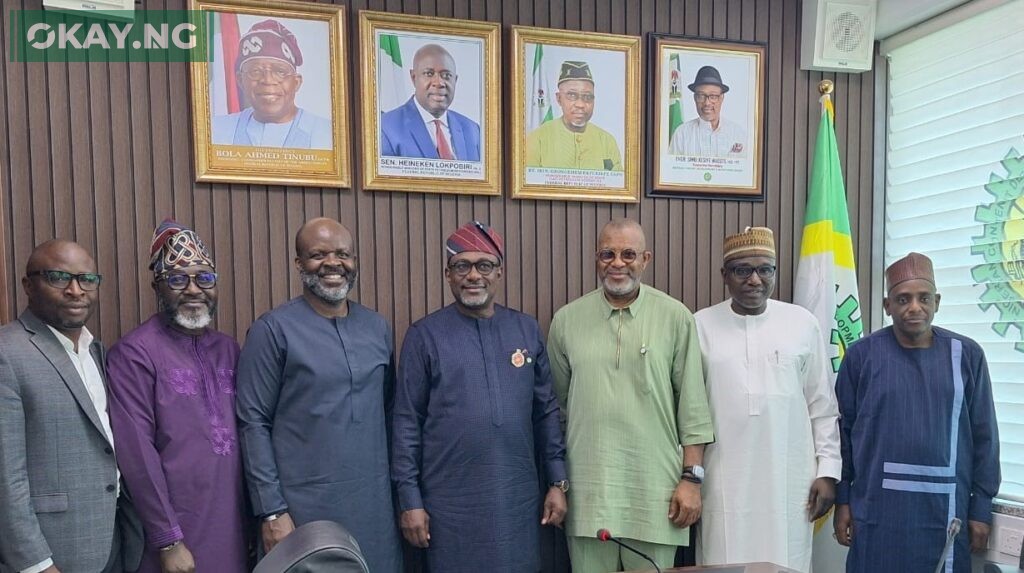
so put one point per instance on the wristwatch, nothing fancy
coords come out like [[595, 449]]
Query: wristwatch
[[562, 485], [693, 474], [273, 516]]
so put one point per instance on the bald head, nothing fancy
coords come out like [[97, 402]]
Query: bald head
[[319, 228], [434, 76], [52, 297], [48, 255], [627, 227]]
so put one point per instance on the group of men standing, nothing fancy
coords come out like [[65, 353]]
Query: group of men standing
[[635, 416]]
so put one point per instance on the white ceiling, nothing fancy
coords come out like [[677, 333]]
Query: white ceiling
[[892, 16]]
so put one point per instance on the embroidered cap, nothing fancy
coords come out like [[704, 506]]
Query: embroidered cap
[[478, 237], [752, 242], [269, 39], [575, 71], [176, 247], [913, 266]]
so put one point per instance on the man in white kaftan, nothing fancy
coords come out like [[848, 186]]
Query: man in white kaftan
[[776, 459]]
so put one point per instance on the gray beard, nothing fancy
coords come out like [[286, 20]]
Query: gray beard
[[197, 321], [622, 290], [332, 295]]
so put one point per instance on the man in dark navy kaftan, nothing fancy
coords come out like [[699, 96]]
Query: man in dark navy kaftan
[[920, 445], [474, 403]]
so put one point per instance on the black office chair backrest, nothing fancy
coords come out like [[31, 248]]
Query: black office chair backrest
[[316, 547]]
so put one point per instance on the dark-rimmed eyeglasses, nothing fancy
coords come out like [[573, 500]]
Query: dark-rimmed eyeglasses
[[61, 279], [745, 271], [607, 256], [179, 281], [484, 267], [701, 97]]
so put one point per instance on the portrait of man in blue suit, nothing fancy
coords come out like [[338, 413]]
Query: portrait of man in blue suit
[[425, 126]]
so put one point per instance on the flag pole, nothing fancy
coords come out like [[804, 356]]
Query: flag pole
[[825, 87]]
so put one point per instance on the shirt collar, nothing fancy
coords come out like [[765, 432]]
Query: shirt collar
[[427, 116], [84, 340], [633, 309], [706, 125]]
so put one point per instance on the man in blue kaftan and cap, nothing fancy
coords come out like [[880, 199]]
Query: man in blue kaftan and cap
[[918, 435], [474, 402]]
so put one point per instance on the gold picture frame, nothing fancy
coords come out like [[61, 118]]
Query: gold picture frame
[[712, 149], [287, 130], [557, 158], [421, 70]]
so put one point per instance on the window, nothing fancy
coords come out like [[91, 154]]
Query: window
[[955, 191]]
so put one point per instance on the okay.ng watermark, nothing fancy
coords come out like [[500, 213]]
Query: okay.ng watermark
[[143, 35]]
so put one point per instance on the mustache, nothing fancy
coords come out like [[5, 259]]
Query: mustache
[[334, 270]]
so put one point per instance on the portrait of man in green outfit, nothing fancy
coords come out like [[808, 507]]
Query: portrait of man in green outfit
[[572, 141]]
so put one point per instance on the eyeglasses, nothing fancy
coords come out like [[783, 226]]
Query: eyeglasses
[[744, 271], [444, 74], [61, 279], [607, 256], [587, 97], [701, 98], [180, 281], [484, 267], [277, 73]]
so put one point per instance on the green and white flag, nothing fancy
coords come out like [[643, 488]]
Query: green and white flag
[[826, 285], [826, 278], [540, 93], [675, 96], [393, 87]]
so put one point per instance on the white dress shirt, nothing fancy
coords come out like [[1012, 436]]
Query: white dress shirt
[[696, 137], [432, 131]]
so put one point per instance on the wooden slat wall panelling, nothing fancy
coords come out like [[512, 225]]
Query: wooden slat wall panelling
[[101, 152], [5, 263], [7, 307]]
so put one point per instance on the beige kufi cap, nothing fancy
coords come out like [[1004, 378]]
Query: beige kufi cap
[[752, 242]]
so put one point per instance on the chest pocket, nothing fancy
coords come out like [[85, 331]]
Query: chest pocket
[[781, 375]]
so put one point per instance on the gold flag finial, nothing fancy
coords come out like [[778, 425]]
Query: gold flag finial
[[825, 87]]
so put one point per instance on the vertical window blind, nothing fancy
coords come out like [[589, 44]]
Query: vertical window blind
[[955, 192]]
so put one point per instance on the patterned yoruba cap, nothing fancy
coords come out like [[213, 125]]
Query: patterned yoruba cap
[[175, 246], [913, 266], [752, 242], [575, 71], [269, 39], [478, 237]]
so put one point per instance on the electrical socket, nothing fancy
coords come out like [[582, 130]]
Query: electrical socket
[[1010, 541]]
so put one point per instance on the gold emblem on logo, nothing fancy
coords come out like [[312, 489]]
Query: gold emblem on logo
[[518, 358]]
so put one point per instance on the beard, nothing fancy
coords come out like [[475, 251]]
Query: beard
[[475, 301], [189, 319], [620, 289], [332, 295]]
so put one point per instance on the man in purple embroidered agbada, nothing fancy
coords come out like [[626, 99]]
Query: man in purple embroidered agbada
[[172, 404]]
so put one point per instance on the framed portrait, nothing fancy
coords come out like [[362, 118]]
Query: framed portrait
[[575, 115], [705, 135], [271, 104], [431, 104]]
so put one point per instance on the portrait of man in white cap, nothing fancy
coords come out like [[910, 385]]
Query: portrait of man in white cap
[[268, 78]]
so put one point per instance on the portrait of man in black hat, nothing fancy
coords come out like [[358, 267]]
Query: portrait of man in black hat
[[572, 141], [709, 134]]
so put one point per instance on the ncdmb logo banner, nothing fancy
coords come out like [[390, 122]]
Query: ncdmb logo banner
[[140, 36]]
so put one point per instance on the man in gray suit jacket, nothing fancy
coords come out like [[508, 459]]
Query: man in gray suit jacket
[[61, 505]]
